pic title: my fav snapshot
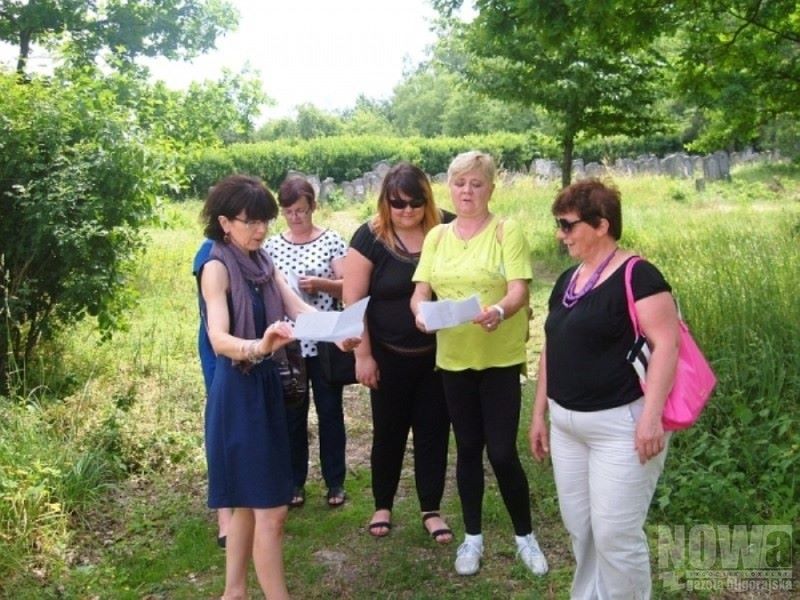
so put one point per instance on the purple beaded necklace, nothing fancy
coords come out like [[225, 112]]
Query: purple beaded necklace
[[571, 297]]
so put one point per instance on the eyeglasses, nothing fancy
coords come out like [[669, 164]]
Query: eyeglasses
[[297, 212], [399, 204], [566, 226], [251, 223]]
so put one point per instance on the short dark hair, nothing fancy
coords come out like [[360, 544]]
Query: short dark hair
[[592, 200], [293, 188], [232, 195]]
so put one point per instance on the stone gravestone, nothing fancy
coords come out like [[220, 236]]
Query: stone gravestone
[[625, 166], [595, 170], [724, 165], [578, 169], [372, 182], [381, 168], [359, 189], [649, 165], [314, 181], [348, 190], [711, 168], [677, 165], [545, 170], [326, 188]]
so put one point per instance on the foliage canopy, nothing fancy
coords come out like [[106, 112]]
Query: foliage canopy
[[591, 65], [78, 179], [178, 29]]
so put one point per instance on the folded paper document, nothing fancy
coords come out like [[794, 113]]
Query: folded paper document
[[332, 326], [449, 313]]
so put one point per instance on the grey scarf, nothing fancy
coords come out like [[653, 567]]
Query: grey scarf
[[257, 268]]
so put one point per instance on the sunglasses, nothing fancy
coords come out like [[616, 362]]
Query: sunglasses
[[566, 226], [403, 204]]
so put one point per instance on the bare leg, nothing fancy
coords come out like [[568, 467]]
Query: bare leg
[[268, 551], [237, 553], [223, 519]]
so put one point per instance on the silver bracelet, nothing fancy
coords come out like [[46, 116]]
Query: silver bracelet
[[252, 355], [500, 311]]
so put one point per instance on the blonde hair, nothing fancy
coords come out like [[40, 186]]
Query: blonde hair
[[474, 160]]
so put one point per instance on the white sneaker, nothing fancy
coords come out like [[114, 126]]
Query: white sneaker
[[468, 558], [533, 557]]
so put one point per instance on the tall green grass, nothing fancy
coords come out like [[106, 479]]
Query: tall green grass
[[732, 256], [101, 461]]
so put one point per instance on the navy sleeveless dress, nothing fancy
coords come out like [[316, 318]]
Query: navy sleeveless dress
[[246, 435]]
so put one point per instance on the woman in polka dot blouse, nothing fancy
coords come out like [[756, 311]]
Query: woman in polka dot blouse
[[311, 259]]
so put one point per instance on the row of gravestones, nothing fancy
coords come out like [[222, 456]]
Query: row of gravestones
[[711, 167]]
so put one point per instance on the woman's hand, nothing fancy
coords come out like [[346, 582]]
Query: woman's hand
[[649, 438], [420, 323], [539, 438], [348, 344], [489, 319], [275, 337], [310, 284], [367, 372], [422, 293]]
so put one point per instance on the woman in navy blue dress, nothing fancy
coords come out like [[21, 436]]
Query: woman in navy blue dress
[[247, 448]]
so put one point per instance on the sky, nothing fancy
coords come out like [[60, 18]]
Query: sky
[[323, 52]]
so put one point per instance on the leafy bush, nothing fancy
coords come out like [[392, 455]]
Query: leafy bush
[[77, 181], [610, 148], [347, 157]]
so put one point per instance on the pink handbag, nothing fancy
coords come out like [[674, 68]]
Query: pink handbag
[[694, 379]]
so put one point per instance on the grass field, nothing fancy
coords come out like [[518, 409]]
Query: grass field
[[102, 472]]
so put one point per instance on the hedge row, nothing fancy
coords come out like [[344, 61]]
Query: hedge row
[[344, 158]]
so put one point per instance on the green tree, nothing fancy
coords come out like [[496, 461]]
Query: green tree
[[78, 179], [178, 29], [419, 101], [740, 63], [313, 122], [590, 64], [226, 109], [368, 117], [275, 129]]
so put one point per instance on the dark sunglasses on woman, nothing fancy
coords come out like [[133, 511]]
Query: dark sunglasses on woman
[[403, 204]]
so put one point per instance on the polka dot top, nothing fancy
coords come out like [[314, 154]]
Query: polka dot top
[[313, 258]]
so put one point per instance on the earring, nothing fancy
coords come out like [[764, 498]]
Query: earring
[[226, 238]]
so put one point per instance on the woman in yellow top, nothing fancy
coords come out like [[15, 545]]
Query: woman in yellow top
[[481, 361]]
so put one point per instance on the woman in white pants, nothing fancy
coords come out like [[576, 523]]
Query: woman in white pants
[[606, 438]]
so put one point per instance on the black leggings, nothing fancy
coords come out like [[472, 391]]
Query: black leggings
[[484, 407], [409, 397]]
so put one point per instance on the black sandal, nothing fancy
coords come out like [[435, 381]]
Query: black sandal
[[298, 498], [336, 496], [438, 533], [373, 527]]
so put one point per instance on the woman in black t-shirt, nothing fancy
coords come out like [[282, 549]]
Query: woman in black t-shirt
[[607, 441], [396, 360]]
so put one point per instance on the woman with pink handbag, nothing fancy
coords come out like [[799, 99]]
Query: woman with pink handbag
[[606, 436]]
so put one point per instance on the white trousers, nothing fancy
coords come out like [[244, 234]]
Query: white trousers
[[604, 494]]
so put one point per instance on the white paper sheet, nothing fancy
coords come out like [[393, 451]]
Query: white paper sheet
[[294, 282], [332, 326], [449, 313]]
